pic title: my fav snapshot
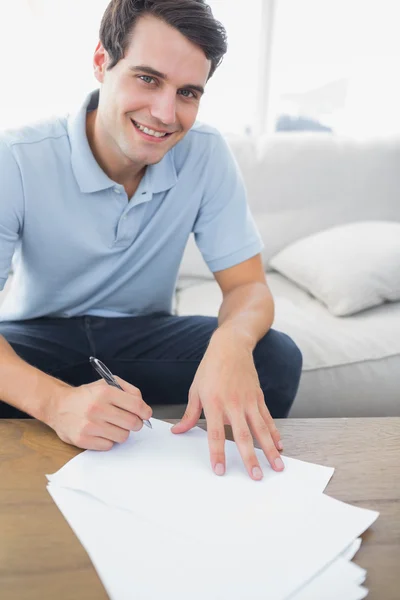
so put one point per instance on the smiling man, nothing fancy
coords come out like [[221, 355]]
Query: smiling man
[[95, 213]]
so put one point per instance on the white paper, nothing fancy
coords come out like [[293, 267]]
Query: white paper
[[154, 504], [169, 477], [339, 580], [352, 549], [126, 550]]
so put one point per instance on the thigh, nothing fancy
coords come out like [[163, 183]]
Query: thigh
[[279, 363], [58, 347], [159, 354]]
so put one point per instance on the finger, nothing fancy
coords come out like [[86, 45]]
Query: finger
[[216, 441], [108, 431], [244, 441], [128, 387], [266, 415], [90, 442], [99, 443], [191, 416], [123, 419], [129, 399], [261, 432]]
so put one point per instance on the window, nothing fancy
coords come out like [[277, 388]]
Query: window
[[291, 64], [49, 45], [47, 48], [334, 66], [231, 99]]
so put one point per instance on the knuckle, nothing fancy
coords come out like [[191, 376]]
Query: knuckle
[[91, 409], [216, 400], [216, 435], [137, 425], [86, 428], [260, 396], [186, 415], [146, 410], [105, 445], [132, 422], [274, 431], [263, 427], [81, 440], [244, 435], [124, 435], [234, 402]]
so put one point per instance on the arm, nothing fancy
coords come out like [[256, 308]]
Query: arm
[[24, 386], [226, 384], [92, 416], [247, 309]]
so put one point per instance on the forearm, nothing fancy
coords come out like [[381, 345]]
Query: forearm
[[24, 386], [246, 313]]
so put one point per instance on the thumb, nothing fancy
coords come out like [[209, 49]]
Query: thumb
[[191, 416]]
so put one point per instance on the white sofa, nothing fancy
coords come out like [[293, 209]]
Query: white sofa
[[299, 184]]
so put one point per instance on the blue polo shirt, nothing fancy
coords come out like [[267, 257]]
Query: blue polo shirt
[[79, 246]]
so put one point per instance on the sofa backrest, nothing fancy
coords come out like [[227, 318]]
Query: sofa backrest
[[301, 183]]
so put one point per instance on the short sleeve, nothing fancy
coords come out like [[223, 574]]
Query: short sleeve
[[224, 230], [11, 209]]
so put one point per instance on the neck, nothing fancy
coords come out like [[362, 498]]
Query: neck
[[118, 168]]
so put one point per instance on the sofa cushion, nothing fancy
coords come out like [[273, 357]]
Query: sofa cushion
[[349, 267], [351, 366]]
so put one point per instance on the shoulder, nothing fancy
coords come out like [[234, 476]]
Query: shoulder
[[200, 144], [33, 134]]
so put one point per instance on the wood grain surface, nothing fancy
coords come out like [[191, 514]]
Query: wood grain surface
[[41, 559]]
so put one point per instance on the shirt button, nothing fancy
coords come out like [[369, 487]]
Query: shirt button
[[117, 191]]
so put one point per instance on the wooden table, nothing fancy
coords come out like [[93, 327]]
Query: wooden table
[[41, 559]]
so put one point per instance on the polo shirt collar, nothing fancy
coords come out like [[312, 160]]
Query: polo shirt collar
[[88, 173]]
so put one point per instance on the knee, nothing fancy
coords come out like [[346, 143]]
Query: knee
[[279, 363]]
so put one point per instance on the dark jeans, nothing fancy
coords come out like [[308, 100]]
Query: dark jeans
[[159, 354]]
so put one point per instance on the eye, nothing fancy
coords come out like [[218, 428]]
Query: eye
[[146, 78], [187, 94]]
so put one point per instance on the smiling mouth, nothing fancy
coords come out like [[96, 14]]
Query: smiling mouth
[[151, 132]]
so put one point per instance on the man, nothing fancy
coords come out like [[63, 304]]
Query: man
[[96, 210]]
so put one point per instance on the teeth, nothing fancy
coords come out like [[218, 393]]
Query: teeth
[[156, 134]]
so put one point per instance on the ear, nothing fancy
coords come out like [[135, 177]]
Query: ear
[[100, 61]]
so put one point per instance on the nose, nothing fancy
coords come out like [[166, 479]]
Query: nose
[[163, 107]]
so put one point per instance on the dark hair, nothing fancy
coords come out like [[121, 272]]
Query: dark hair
[[192, 18]]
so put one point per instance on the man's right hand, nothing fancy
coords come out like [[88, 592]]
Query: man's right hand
[[96, 415]]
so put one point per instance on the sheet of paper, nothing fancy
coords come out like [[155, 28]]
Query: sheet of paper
[[352, 549], [156, 497], [341, 579], [125, 548], [158, 464]]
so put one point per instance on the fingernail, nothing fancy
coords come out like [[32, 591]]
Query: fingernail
[[219, 469], [257, 473], [280, 445], [279, 464]]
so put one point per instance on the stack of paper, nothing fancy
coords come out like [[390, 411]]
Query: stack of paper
[[157, 523]]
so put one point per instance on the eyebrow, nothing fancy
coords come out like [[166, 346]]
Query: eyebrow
[[151, 71]]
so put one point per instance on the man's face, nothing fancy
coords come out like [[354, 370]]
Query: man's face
[[134, 96]]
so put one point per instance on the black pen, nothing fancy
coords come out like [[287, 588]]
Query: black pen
[[106, 374]]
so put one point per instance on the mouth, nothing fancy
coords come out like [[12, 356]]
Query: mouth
[[150, 134]]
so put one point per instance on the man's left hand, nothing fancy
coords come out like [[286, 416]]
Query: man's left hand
[[227, 387]]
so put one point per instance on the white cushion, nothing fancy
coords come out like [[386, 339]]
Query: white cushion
[[349, 268]]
